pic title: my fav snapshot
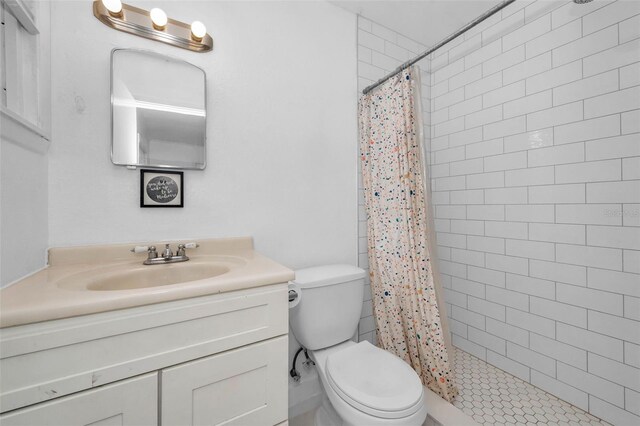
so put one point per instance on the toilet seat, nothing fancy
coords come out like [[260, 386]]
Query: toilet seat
[[374, 381]]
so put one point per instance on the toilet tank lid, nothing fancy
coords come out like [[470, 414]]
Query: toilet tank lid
[[319, 276]]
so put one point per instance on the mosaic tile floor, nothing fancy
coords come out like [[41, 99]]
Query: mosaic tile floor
[[492, 396]]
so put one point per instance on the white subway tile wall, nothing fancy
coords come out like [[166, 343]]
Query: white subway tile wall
[[535, 161], [380, 51]]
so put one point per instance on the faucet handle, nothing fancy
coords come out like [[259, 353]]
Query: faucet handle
[[152, 253], [151, 250], [182, 248]]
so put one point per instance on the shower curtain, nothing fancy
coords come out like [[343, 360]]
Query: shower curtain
[[400, 238]]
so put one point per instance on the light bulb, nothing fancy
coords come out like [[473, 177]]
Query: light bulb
[[159, 18], [198, 30], [113, 6]]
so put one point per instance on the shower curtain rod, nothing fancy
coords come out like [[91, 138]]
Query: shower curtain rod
[[418, 58]]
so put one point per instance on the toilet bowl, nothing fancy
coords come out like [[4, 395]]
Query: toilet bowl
[[363, 384], [369, 386]]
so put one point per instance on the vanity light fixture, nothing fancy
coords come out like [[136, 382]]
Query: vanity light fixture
[[159, 18], [198, 30], [114, 7], [154, 25]]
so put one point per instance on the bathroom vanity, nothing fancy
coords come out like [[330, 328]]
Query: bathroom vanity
[[213, 350]]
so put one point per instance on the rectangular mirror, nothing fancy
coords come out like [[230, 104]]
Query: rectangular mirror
[[158, 111]]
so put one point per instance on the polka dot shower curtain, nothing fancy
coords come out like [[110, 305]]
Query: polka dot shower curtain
[[400, 238]]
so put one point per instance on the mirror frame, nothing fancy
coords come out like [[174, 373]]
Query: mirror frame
[[174, 59]]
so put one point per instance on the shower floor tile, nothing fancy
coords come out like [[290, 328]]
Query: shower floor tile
[[492, 396]]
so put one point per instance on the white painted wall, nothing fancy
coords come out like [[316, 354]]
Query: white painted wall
[[535, 158], [281, 163], [23, 208]]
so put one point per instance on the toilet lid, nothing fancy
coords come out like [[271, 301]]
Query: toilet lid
[[375, 381]]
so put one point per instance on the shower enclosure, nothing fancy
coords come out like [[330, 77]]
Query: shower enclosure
[[533, 121]]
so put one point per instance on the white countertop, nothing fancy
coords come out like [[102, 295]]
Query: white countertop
[[59, 291]]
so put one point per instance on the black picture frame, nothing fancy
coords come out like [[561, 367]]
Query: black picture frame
[[156, 186]]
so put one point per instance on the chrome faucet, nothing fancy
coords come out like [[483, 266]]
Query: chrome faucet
[[167, 255]]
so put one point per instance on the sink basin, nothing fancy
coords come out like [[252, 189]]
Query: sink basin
[[156, 276], [130, 277]]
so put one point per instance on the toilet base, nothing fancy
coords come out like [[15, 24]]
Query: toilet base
[[326, 415]]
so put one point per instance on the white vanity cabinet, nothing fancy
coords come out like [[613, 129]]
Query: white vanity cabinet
[[218, 359], [131, 402], [232, 388]]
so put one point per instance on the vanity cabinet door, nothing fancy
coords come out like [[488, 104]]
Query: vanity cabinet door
[[245, 386], [132, 402]]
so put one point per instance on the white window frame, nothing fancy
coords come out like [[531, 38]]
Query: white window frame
[[25, 108]]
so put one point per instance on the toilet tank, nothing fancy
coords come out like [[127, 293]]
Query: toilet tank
[[330, 305]]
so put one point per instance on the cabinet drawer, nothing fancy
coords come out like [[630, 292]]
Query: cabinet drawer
[[245, 386], [132, 402]]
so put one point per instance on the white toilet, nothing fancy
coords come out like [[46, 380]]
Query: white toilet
[[364, 385]]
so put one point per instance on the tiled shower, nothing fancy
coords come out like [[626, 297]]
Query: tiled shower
[[534, 157]]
